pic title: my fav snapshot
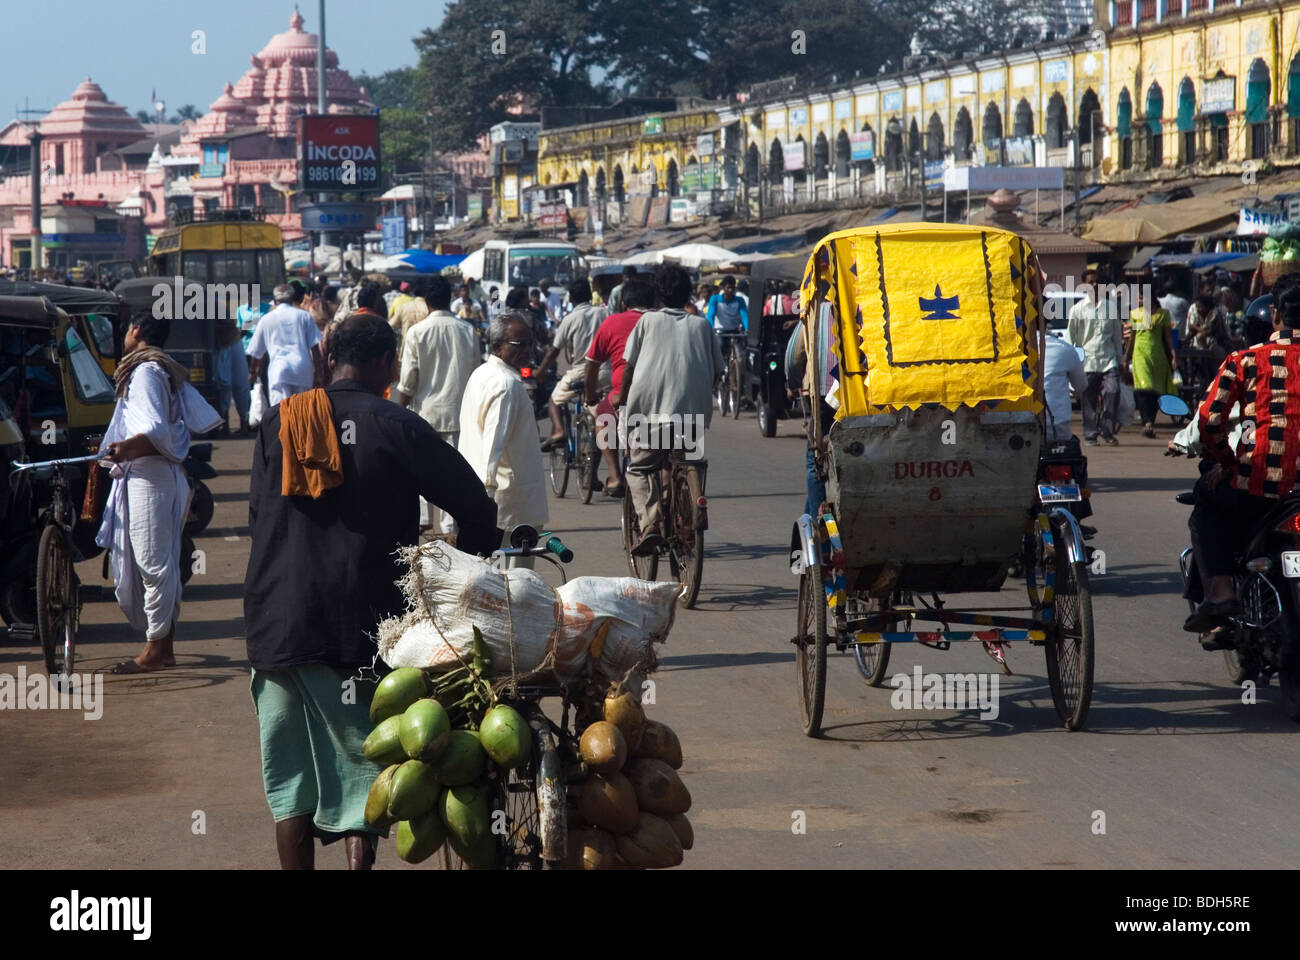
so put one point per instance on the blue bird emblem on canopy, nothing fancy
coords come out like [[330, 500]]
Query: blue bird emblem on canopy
[[940, 307]]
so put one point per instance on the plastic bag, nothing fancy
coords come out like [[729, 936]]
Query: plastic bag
[[257, 404], [614, 620], [449, 593]]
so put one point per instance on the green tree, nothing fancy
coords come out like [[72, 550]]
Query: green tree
[[489, 55], [188, 112], [391, 89], [404, 141]]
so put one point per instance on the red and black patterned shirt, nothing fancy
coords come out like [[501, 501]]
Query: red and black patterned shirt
[[1265, 380]]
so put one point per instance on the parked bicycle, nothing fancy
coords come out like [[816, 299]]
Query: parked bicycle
[[685, 512], [579, 451], [58, 603]]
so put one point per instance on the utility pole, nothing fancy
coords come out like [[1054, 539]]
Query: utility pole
[[35, 139], [321, 108]]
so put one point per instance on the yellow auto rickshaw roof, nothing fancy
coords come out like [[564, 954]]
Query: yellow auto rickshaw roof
[[923, 313]]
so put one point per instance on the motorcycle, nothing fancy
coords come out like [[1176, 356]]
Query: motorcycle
[[1264, 639], [198, 467]]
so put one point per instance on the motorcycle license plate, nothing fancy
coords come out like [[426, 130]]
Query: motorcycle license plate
[[1291, 564], [1061, 493]]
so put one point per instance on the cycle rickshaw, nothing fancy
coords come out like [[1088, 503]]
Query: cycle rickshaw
[[925, 346]]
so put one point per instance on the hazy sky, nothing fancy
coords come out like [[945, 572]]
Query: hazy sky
[[130, 47]]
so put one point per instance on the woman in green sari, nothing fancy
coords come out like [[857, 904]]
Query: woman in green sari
[[1152, 360]]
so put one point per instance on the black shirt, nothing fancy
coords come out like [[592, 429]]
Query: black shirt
[[321, 574]]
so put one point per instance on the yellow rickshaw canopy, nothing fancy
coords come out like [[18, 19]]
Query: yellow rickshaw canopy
[[923, 313]]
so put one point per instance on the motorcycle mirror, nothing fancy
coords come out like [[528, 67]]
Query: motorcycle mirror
[[1174, 406]]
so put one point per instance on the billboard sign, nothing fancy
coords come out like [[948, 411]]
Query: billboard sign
[[394, 235], [1218, 96], [338, 152], [552, 214], [792, 154], [862, 146]]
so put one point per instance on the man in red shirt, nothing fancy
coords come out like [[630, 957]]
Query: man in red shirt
[[607, 345], [1265, 380]]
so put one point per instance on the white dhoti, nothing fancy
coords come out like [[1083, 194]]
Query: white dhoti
[[429, 514], [147, 505]]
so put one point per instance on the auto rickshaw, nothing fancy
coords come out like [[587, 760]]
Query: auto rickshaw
[[925, 344], [767, 339], [55, 403]]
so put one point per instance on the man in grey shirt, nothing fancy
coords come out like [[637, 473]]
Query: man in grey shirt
[[673, 361], [574, 338], [1177, 305], [616, 295]]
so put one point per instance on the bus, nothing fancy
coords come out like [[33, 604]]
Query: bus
[[227, 246], [506, 263]]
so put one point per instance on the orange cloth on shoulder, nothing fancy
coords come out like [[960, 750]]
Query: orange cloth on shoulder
[[311, 459]]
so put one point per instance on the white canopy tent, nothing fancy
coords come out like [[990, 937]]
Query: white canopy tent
[[692, 255]]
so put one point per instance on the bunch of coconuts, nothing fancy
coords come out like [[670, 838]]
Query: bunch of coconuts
[[629, 809]]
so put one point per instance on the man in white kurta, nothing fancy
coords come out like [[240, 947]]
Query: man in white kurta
[[498, 431], [146, 441], [440, 353], [287, 343]]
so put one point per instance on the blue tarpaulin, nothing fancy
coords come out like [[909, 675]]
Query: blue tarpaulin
[[1194, 261], [426, 261]]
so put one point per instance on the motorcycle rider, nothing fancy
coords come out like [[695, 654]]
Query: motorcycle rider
[[1237, 490]]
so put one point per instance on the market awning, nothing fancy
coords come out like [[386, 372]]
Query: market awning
[[1156, 223], [1194, 261], [1139, 261], [1241, 263]]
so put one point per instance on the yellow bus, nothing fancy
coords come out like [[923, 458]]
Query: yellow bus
[[226, 247]]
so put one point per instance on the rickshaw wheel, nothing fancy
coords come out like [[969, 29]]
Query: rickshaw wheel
[[557, 465], [55, 601], [1070, 656], [767, 418], [810, 651], [873, 658], [643, 568]]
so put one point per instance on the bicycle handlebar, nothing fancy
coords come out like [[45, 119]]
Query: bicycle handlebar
[[18, 466]]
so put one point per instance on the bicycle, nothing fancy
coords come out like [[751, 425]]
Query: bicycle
[[58, 602], [533, 797], [579, 450], [728, 393], [684, 507]]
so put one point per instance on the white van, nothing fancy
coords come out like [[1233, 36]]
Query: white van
[[506, 263]]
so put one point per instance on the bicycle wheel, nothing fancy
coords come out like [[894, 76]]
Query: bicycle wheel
[[56, 601], [686, 552], [810, 651], [588, 456], [1070, 657], [558, 460], [733, 387], [873, 658], [644, 568]]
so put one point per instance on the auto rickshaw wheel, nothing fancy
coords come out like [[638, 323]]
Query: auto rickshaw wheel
[[767, 417], [810, 650]]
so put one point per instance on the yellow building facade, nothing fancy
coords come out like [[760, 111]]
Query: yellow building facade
[[1161, 88]]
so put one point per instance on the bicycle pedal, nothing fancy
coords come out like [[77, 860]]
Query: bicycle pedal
[[22, 632]]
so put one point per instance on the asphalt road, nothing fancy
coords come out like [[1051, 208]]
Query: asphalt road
[[1173, 765]]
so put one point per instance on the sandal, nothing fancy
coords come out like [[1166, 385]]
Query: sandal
[[617, 491], [131, 668]]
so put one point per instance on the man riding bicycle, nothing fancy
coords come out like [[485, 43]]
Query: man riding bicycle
[[574, 337], [726, 312], [673, 362]]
